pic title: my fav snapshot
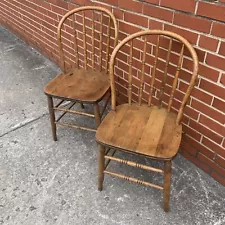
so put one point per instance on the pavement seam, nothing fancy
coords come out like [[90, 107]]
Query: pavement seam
[[23, 125]]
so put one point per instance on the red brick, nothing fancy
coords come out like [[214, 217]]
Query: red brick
[[220, 161], [199, 147], [136, 19], [130, 5], [218, 29], [190, 112], [185, 146], [153, 24], [187, 5], [219, 178], [211, 164], [199, 94], [190, 36], [196, 162], [189, 131], [111, 2], [218, 104], [192, 22], [216, 127], [208, 110], [213, 146], [208, 43], [157, 12], [222, 79], [205, 131], [222, 49], [155, 2], [211, 10], [119, 14], [208, 72], [212, 88], [126, 28]]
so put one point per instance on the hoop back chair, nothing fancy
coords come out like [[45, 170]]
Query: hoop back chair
[[149, 124], [86, 37]]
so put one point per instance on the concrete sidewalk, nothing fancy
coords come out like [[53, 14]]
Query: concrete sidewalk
[[46, 182]]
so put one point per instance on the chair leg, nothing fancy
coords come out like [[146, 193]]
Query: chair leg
[[52, 117], [101, 166], [82, 105], [97, 114], [167, 182]]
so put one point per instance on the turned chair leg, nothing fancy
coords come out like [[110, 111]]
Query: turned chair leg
[[82, 105], [166, 187], [97, 114], [101, 166], [52, 117]]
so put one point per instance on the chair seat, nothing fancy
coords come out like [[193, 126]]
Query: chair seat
[[150, 131], [78, 84]]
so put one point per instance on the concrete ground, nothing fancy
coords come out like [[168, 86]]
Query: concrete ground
[[46, 182]]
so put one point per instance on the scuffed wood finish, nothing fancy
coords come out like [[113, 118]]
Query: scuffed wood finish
[[149, 131], [78, 84], [76, 34], [145, 129], [166, 188]]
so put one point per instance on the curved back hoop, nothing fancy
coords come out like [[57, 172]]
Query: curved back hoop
[[103, 11], [159, 33]]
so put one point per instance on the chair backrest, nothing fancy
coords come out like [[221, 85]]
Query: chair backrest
[[86, 37], [148, 64]]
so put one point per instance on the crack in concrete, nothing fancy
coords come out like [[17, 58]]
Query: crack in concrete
[[23, 125]]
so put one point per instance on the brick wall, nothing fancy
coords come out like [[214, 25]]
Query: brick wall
[[201, 22]]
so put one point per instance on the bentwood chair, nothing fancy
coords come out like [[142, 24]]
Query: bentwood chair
[[86, 38], [150, 123]]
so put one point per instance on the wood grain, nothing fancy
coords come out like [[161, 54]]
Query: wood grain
[[141, 129]]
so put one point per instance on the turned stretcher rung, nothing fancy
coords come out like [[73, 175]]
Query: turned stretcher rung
[[108, 161], [134, 164], [59, 103], [74, 112], [133, 180], [75, 126], [61, 116]]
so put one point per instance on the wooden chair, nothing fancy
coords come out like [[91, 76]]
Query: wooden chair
[[149, 124], [86, 37]]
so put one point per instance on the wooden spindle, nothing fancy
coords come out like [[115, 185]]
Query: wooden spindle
[[130, 74], [84, 42], [93, 40], [165, 74], [100, 44], [142, 72], [176, 78], [108, 46], [154, 72], [75, 43]]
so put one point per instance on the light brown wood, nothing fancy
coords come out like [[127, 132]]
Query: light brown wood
[[175, 81], [97, 114], [134, 164], [154, 72], [145, 129], [79, 80], [165, 73], [149, 131], [166, 187], [78, 84], [133, 180], [52, 117], [101, 166]]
